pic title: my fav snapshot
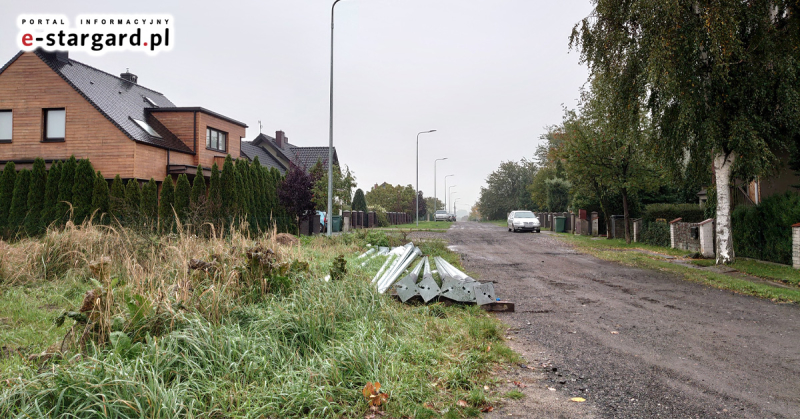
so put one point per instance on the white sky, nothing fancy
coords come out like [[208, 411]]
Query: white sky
[[487, 75]]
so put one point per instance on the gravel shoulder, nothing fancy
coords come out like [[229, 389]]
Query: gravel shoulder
[[634, 343]]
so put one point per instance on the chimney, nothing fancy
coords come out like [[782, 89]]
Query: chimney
[[127, 75], [280, 139]]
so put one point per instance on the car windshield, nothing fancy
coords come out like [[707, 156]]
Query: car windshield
[[441, 212], [524, 214]]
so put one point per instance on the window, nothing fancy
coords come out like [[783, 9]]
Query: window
[[5, 126], [149, 101], [54, 124], [216, 140], [147, 128]]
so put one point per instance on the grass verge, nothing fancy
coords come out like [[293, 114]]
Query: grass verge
[[239, 340], [616, 250], [423, 226]]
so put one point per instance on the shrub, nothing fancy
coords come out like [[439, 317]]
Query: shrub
[[7, 181], [100, 197], [215, 193], [764, 232], [198, 187], [690, 213], [116, 203], [51, 195], [229, 188], [359, 202], [183, 192], [133, 198], [19, 201], [656, 234], [65, 189], [33, 220], [165, 216], [82, 190], [149, 205]]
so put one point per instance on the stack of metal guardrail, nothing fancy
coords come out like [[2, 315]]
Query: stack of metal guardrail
[[453, 284]]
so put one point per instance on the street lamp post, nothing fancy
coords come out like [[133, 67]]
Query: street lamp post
[[445, 191], [454, 205], [450, 195], [416, 197], [434, 182], [330, 134]]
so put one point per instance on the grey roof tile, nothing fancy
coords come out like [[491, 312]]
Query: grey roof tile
[[266, 159]]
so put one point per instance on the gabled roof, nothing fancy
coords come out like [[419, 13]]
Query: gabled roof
[[266, 159], [309, 156], [286, 151], [119, 100]]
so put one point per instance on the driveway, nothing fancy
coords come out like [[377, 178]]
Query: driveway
[[633, 343]]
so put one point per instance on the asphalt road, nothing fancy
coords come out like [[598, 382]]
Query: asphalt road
[[634, 343]]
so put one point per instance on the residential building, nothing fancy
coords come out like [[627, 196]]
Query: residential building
[[277, 152], [52, 106]]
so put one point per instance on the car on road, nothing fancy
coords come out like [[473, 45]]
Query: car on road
[[441, 215], [323, 221], [523, 221]]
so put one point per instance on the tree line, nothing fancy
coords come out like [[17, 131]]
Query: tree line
[[242, 192]]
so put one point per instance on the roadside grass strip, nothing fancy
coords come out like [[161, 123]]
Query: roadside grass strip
[[303, 348], [617, 250], [436, 226]]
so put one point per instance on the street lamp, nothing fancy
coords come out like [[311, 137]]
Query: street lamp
[[434, 182], [450, 195], [445, 188], [330, 134], [454, 206], [416, 197]]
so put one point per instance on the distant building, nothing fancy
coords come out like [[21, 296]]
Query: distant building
[[277, 152]]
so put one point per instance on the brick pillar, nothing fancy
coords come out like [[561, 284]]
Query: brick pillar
[[796, 246]]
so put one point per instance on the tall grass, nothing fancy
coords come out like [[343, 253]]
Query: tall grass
[[197, 344]]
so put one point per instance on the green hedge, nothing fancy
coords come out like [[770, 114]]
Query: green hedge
[[690, 213], [656, 234], [764, 232]]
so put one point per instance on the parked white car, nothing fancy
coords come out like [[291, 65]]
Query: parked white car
[[441, 215], [523, 221]]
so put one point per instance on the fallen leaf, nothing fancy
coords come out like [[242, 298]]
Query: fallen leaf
[[462, 403], [578, 399], [488, 348], [373, 395], [519, 384], [487, 409]]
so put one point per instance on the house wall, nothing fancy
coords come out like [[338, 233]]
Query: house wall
[[235, 132], [781, 182], [179, 123], [27, 86]]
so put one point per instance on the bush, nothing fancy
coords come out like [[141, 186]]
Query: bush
[[764, 232], [690, 213], [655, 234]]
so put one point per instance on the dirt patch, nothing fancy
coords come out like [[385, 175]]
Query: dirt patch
[[287, 239]]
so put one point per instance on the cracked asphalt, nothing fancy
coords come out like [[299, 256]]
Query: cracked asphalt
[[634, 343]]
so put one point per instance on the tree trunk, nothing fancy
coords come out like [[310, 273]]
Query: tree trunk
[[722, 173], [625, 215]]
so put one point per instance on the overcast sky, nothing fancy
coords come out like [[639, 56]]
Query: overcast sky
[[488, 75]]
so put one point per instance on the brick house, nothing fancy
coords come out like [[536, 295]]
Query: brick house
[[277, 152], [52, 106]]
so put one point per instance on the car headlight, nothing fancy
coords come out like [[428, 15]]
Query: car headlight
[[536, 223]]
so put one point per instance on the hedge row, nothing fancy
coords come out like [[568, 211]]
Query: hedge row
[[31, 200], [690, 213], [656, 234], [764, 231]]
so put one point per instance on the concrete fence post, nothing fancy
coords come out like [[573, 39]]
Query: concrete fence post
[[637, 229], [706, 233], [796, 246], [672, 231], [595, 224]]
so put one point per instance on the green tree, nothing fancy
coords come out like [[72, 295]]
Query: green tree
[[557, 194], [198, 188], [242, 182], [133, 198], [506, 189], [100, 197], [215, 194], [343, 184], [82, 190], [719, 79], [65, 189], [149, 205], [359, 202], [38, 184], [51, 195], [165, 215], [229, 190], [259, 199], [116, 202], [19, 201], [7, 181], [183, 192]]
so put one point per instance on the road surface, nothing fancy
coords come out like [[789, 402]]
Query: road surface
[[634, 343]]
